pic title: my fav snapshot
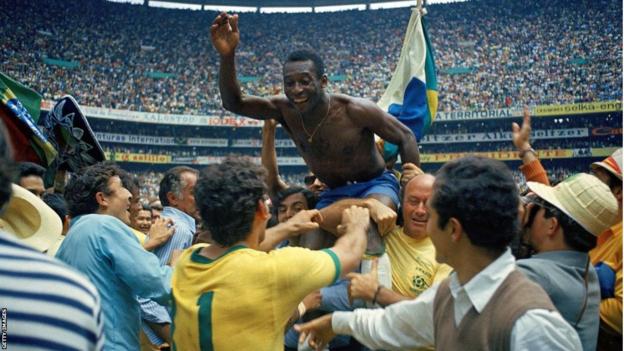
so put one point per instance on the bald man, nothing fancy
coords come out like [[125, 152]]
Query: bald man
[[411, 252]]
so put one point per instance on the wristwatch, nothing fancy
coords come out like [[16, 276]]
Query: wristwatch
[[524, 152]]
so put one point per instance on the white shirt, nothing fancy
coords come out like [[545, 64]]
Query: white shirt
[[409, 324]]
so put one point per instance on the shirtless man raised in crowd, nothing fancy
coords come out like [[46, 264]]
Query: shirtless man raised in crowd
[[334, 133]]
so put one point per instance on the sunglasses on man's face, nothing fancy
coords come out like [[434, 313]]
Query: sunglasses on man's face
[[309, 179]]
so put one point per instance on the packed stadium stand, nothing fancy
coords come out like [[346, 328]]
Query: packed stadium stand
[[147, 77]]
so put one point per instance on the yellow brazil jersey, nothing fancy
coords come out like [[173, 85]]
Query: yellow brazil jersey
[[139, 235], [243, 299], [414, 267], [609, 251]]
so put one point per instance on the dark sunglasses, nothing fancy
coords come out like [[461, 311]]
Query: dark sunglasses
[[309, 179]]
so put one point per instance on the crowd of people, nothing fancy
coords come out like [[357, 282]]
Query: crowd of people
[[567, 52], [464, 248]]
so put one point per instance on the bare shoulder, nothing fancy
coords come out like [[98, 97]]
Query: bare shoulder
[[282, 104], [360, 109]]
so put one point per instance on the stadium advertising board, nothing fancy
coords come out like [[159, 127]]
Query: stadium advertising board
[[538, 111], [601, 131], [503, 136], [255, 143], [234, 121], [162, 118], [158, 140], [498, 155], [138, 158], [576, 109]]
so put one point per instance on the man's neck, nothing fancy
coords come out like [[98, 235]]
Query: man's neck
[[474, 261]]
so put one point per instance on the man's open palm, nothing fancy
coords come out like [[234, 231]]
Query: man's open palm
[[224, 33]]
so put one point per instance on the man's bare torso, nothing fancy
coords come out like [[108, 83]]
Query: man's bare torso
[[340, 150]]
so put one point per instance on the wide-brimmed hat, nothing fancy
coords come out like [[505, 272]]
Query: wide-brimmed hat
[[612, 164], [27, 217], [584, 198]]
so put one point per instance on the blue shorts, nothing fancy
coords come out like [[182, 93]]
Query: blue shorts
[[386, 184]]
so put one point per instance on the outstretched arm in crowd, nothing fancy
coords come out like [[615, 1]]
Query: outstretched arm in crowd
[[367, 287], [303, 222], [159, 233], [225, 37], [269, 158], [384, 216], [531, 166]]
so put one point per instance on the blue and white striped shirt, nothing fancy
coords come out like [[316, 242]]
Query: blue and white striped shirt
[[45, 305], [180, 240]]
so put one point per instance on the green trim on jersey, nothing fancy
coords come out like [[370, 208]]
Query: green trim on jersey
[[205, 321], [337, 264], [198, 258]]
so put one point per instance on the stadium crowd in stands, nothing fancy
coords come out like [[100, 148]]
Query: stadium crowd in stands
[[567, 52]]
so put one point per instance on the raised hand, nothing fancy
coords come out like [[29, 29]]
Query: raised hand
[[383, 215], [162, 229], [353, 217], [305, 221], [521, 135], [224, 33], [364, 286], [410, 170]]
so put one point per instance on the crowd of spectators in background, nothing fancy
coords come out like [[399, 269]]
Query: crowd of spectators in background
[[566, 52]]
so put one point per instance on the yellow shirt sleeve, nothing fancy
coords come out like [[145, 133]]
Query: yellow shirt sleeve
[[302, 271]]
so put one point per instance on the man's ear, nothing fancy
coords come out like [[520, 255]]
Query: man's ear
[[171, 198], [101, 199], [553, 226], [324, 81], [456, 229], [262, 210]]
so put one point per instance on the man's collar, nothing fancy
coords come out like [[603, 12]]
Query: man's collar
[[483, 285], [168, 211]]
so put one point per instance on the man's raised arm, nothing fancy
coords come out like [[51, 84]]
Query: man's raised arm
[[369, 115], [225, 37]]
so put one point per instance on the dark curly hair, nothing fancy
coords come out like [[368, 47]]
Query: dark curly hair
[[482, 195], [307, 55], [81, 189], [307, 194], [27, 169], [227, 196]]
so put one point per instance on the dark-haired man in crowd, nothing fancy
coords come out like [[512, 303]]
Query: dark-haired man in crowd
[[334, 133], [177, 196], [483, 304], [102, 246], [31, 177], [563, 223], [229, 286]]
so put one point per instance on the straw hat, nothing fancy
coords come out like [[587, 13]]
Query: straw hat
[[584, 198], [31, 220], [612, 164]]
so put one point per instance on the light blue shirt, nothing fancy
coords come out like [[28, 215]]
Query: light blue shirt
[[180, 240], [109, 254]]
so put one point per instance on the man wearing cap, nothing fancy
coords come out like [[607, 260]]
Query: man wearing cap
[[607, 257], [563, 223], [484, 303]]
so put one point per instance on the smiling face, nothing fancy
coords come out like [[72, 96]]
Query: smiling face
[[302, 85], [143, 221], [117, 202], [415, 213]]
